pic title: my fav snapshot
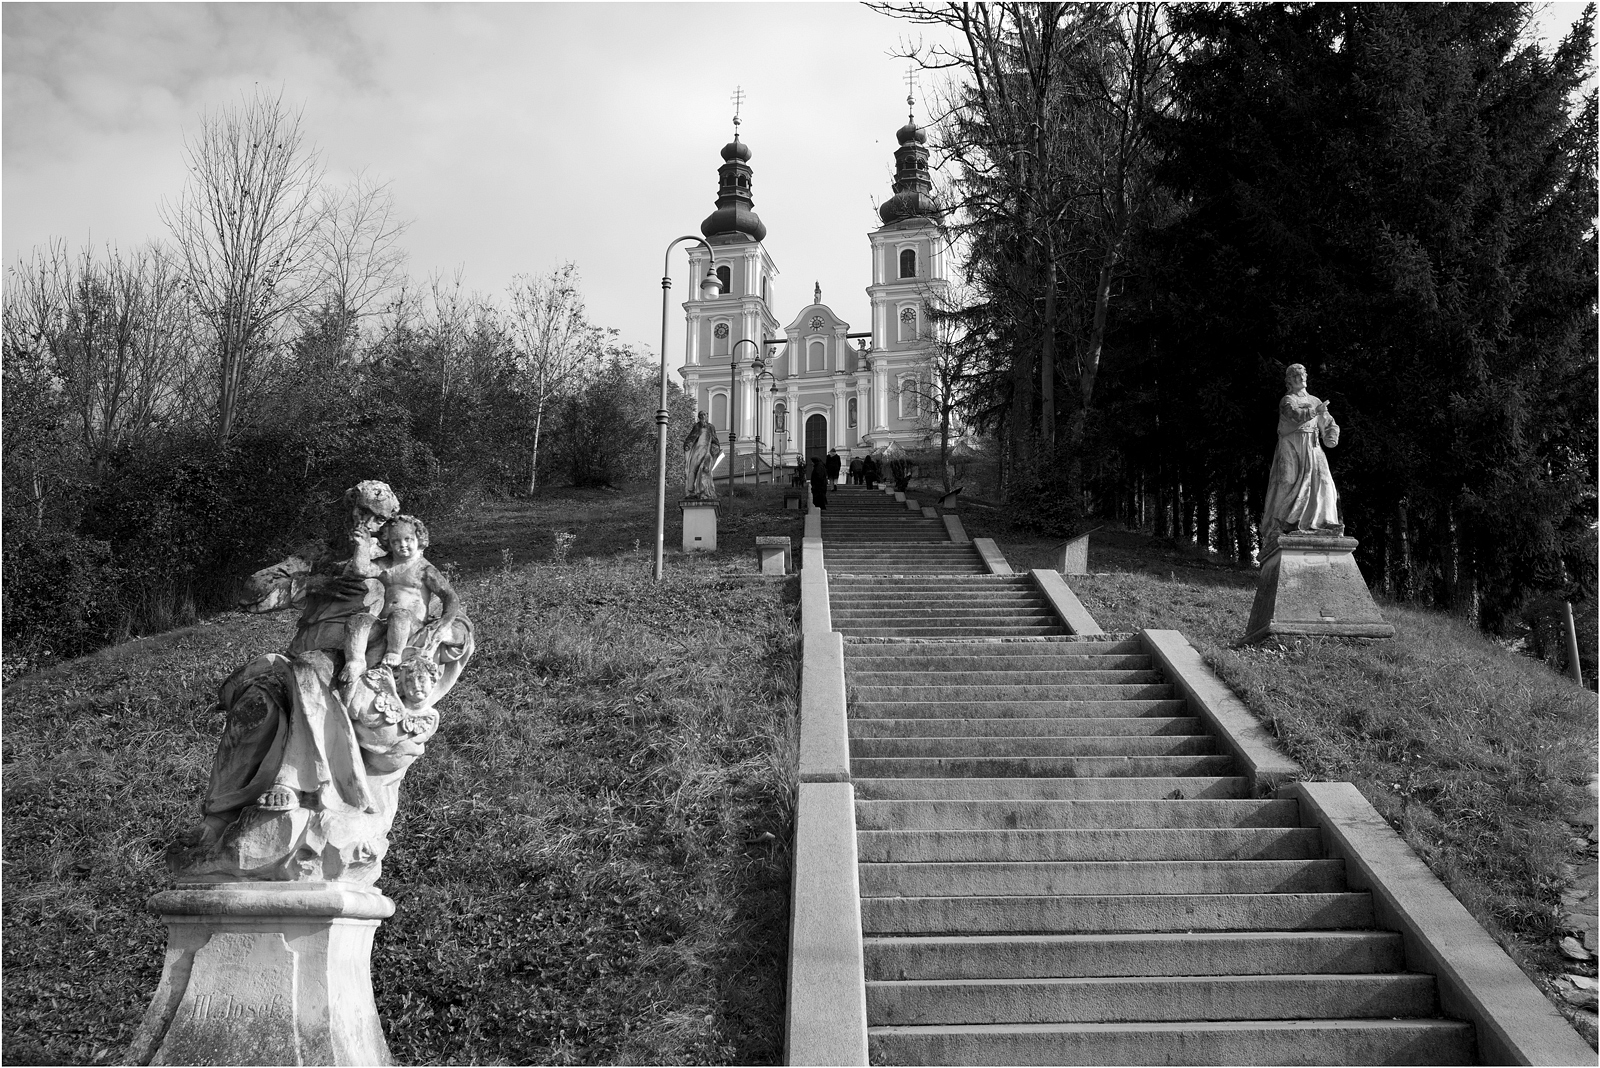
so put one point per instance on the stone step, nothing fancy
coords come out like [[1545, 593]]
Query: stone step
[[926, 584], [1046, 788], [1110, 691], [1096, 844], [875, 597], [1014, 709], [1045, 767], [952, 615], [1015, 814], [1325, 1042], [1113, 913], [1006, 677], [855, 664], [1073, 646], [977, 629], [1019, 726], [1119, 999], [1028, 746], [991, 879], [1188, 953]]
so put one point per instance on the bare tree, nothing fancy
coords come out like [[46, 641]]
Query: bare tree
[[1046, 121], [112, 337], [356, 250], [554, 342], [244, 227]]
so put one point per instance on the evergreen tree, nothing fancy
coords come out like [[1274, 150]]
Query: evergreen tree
[[1402, 198]]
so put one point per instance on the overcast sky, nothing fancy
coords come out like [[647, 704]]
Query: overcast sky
[[516, 136]]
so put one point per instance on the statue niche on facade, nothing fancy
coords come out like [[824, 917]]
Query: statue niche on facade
[[701, 453]]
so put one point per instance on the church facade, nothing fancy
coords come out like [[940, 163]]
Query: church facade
[[818, 385]]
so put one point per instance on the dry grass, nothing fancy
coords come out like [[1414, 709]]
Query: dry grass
[[591, 863]]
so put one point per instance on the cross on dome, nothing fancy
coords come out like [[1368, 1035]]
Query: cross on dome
[[911, 89], [738, 102]]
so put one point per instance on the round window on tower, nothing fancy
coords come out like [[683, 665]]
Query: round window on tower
[[720, 331]]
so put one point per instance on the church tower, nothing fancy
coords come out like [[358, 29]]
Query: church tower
[[908, 272], [727, 333]]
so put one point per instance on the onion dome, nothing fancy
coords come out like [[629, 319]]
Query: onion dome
[[735, 219], [913, 184]]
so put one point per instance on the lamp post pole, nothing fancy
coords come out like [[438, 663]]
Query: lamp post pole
[[733, 406], [709, 286], [762, 372]]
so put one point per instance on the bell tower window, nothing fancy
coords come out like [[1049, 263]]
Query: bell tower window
[[725, 278], [908, 263]]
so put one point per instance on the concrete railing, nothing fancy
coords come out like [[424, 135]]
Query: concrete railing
[[1516, 1024], [993, 559], [826, 1018], [1065, 602], [1210, 699]]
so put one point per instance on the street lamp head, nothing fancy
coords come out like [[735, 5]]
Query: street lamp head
[[758, 365], [710, 286]]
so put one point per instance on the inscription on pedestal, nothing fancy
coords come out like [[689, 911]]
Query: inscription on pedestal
[[242, 985]]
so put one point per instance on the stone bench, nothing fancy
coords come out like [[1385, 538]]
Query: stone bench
[[774, 555]]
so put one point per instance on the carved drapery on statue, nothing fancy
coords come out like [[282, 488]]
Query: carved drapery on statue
[[1300, 494], [701, 453], [305, 783]]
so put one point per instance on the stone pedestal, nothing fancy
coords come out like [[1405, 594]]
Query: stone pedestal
[[1310, 584], [265, 973], [773, 555], [699, 525]]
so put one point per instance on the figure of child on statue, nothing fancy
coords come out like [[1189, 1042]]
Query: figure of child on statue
[[398, 590]]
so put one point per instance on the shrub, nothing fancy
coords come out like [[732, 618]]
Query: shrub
[[61, 597]]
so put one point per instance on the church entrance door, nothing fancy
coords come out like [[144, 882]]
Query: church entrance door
[[816, 437]]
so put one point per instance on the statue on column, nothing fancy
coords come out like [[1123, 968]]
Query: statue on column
[[701, 453]]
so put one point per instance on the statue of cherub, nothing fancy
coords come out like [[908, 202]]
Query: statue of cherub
[[406, 579]]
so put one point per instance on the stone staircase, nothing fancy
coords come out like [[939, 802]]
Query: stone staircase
[[1059, 865], [936, 605]]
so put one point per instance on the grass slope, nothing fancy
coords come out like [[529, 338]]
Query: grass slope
[[1476, 755], [590, 864]]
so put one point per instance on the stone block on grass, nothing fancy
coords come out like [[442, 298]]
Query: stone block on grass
[[773, 554]]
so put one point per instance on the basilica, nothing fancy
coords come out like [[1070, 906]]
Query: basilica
[[780, 392]]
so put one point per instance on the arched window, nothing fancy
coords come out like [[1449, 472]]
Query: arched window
[[852, 411], [719, 339], [725, 277], [908, 324], [719, 411], [908, 263], [780, 418], [816, 357], [764, 289]]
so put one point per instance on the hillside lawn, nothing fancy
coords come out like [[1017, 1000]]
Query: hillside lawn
[[591, 862]]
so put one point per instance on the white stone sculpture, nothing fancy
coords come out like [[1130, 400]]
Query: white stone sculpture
[[272, 918], [1300, 493], [701, 453]]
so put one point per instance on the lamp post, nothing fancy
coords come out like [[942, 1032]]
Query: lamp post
[[733, 405], [762, 372], [709, 287]]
